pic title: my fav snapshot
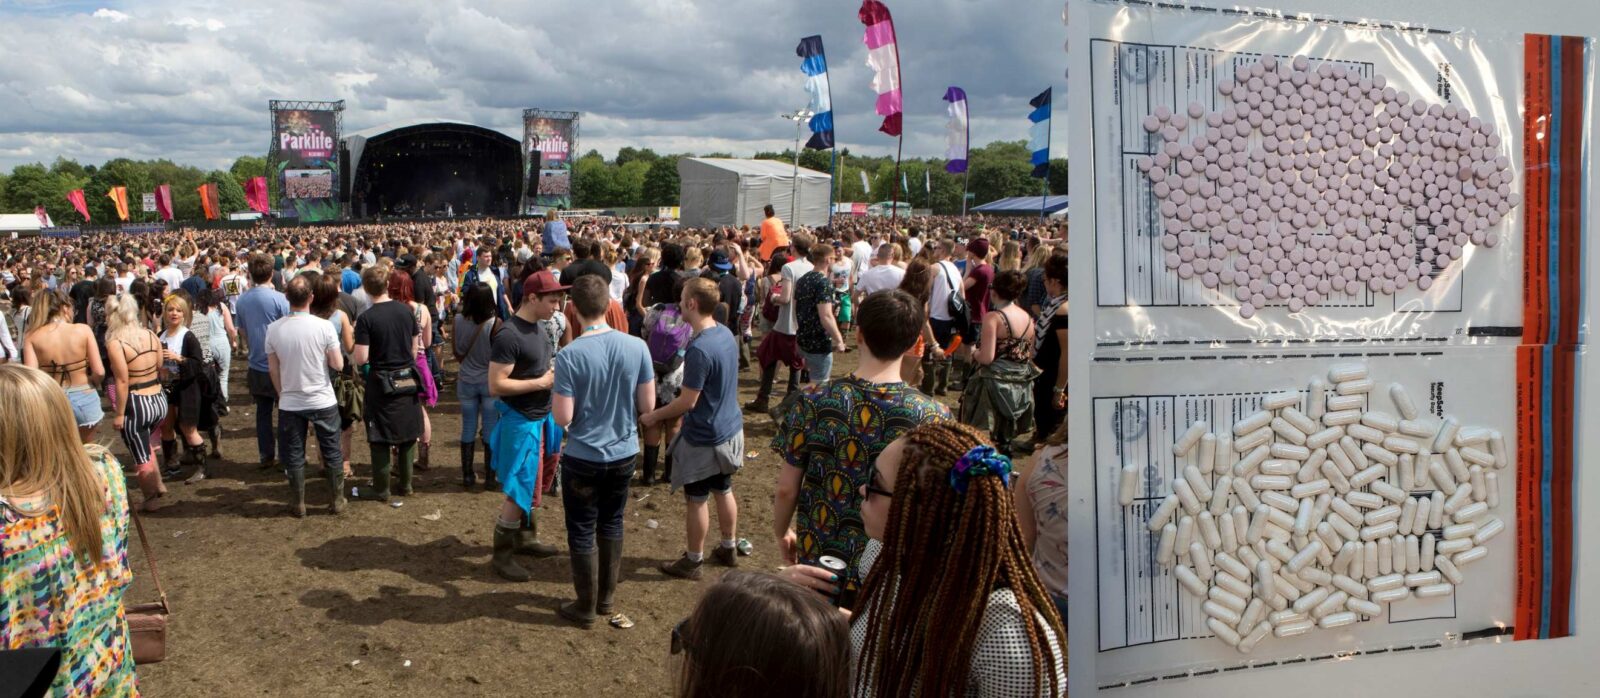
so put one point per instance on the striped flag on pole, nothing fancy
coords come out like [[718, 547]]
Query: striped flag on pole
[[1039, 133]]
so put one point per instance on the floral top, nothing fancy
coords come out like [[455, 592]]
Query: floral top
[[813, 290], [48, 598], [834, 432], [1047, 491]]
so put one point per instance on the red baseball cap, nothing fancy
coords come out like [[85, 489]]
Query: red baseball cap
[[542, 282]]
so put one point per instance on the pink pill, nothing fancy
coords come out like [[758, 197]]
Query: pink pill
[[1296, 304], [1152, 124], [1185, 271], [1209, 280], [1247, 311], [1196, 109], [1163, 112], [1169, 133], [1301, 63], [1173, 260]]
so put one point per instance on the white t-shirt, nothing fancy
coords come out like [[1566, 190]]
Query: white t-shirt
[[123, 282], [301, 341], [841, 274], [880, 278], [791, 276], [172, 276], [945, 277], [861, 254], [915, 245]]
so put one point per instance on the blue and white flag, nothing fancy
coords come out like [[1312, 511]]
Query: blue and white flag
[[1039, 133], [815, 65]]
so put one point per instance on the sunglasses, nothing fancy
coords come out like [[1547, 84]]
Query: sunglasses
[[875, 488], [680, 640]]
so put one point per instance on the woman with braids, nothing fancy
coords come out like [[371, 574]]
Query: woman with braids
[[951, 604]]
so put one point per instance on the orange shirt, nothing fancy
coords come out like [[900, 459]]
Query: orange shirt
[[773, 236]]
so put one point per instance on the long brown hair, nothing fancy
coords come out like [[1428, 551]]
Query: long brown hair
[[943, 553], [918, 281], [40, 452], [753, 634]]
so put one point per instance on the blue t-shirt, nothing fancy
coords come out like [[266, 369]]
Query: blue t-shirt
[[349, 281], [711, 366], [257, 309], [554, 236], [600, 373]]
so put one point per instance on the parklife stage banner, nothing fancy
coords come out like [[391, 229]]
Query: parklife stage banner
[[549, 151], [305, 148]]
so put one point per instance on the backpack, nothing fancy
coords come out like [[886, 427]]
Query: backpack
[[668, 337], [956, 303], [769, 305]]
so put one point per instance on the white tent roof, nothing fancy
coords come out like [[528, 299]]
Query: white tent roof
[[18, 221]]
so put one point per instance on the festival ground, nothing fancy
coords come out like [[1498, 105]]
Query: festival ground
[[400, 601]]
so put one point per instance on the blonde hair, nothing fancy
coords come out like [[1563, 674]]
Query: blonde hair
[[40, 452], [46, 307], [179, 299], [1011, 256], [692, 257], [123, 316]]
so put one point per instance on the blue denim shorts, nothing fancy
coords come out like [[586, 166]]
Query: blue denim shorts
[[85, 405]]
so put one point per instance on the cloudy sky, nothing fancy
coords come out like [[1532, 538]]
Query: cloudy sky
[[190, 80]]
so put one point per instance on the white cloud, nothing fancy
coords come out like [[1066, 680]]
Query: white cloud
[[190, 79]]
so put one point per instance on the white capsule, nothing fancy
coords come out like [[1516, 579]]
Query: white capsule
[[1434, 590], [1219, 496], [1279, 550], [1355, 387], [1258, 524], [1396, 594], [1255, 612], [1334, 475], [1362, 432], [1201, 560], [1363, 607], [1476, 457], [1480, 484], [1298, 420], [1251, 462], [1422, 579], [1285, 616], [1278, 401], [1402, 401], [1241, 523], [1228, 532], [1186, 496], [1283, 428], [1331, 539], [1169, 537], [1401, 444], [1386, 556], [1225, 562], [1279, 466], [1345, 403], [1381, 421], [1369, 476], [1472, 436], [1497, 448], [1369, 559], [1223, 632], [1446, 436], [1357, 460], [1314, 400], [1207, 457], [1379, 531], [1315, 575], [1453, 546], [1347, 372], [1310, 600], [1256, 420], [1290, 451], [1248, 642], [1209, 535], [1323, 438], [1189, 580], [1470, 512], [1163, 513], [1347, 554], [1185, 536], [1197, 483], [1420, 522], [1319, 509], [1388, 491], [1246, 493], [1305, 556], [1293, 627], [1130, 485], [1280, 518], [1458, 466], [1418, 429], [1449, 569], [1282, 503], [1364, 500], [1302, 518], [1227, 599], [1383, 514], [1488, 530], [1340, 418], [1386, 582], [1442, 479], [1408, 517], [1461, 530], [1407, 554], [1423, 480], [1189, 439], [1334, 602], [1334, 620], [1248, 442], [1462, 496], [1309, 489], [1491, 491], [1311, 469], [1425, 552], [1224, 457]]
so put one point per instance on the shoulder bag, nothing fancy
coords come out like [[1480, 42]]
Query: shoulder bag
[[147, 622]]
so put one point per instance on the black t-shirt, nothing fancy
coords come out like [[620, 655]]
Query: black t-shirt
[[813, 288], [80, 293], [523, 345], [732, 298], [582, 268], [388, 330], [422, 289]]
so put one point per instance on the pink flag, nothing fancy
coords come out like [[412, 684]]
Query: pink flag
[[883, 57], [78, 202], [44, 218], [255, 193], [164, 201]]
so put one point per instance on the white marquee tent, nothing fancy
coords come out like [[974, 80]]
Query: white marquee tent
[[718, 191]]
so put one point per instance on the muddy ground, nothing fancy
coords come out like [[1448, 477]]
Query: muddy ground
[[399, 601]]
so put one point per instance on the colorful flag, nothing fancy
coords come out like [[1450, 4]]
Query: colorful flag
[[78, 202], [208, 200], [119, 196], [255, 193], [955, 149], [883, 57], [44, 218], [927, 182], [1039, 133], [815, 65], [164, 201], [864, 183]]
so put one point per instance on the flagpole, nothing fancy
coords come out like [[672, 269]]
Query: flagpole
[[966, 171], [1047, 134], [900, 141]]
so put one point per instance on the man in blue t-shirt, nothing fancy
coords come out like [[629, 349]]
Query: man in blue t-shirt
[[604, 379], [710, 447], [258, 308]]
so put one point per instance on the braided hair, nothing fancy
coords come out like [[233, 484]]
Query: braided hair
[[944, 552]]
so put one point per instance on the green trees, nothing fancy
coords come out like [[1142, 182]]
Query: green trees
[[32, 185]]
